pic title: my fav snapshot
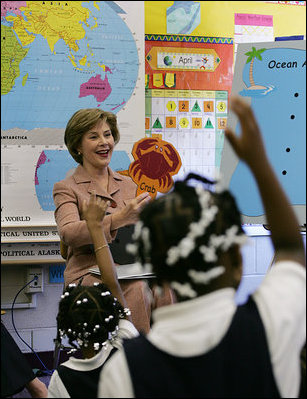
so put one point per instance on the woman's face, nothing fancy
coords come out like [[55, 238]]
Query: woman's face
[[97, 147]]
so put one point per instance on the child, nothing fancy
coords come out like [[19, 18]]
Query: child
[[93, 318], [205, 345], [16, 372]]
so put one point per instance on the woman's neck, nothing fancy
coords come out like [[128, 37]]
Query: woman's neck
[[101, 176], [97, 174]]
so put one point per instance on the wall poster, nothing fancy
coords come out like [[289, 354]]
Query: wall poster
[[188, 80], [56, 58], [271, 76]]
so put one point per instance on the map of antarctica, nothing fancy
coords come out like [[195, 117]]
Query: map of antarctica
[[56, 58]]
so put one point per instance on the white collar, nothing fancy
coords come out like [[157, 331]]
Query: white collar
[[192, 327], [89, 364]]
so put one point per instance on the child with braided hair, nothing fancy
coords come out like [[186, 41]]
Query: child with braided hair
[[205, 345], [93, 318]]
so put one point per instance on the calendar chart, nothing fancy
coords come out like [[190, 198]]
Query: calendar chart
[[193, 122], [187, 85]]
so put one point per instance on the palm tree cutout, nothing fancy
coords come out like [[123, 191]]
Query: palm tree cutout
[[251, 58]]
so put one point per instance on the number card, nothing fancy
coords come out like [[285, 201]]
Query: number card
[[192, 121]]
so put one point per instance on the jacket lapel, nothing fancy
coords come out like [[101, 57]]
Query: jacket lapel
[[114, 178], [81, 176]]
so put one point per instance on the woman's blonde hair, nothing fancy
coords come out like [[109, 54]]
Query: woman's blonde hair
[[81, 122]]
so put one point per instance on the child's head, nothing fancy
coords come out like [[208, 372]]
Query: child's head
[[185, 235], [88, 316]]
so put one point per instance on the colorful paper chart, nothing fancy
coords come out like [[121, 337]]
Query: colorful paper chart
[[187, 106], [193, 121], [188, 63]]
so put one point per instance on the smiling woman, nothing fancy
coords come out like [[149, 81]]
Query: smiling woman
[[90, 137], [96, 148]]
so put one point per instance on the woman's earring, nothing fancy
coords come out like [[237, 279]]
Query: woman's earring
[[79, 153]]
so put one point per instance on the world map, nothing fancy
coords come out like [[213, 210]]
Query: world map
[[57, 57]]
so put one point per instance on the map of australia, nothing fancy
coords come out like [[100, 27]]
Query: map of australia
[[100, 89]]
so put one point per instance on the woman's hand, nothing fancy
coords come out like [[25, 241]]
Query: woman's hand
[[130, 213], [94, 210], [133, 208], [249, 145]]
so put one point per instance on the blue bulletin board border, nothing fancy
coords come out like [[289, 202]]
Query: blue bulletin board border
[[188, 39]]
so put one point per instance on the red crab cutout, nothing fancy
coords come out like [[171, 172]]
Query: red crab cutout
[[156, 161]]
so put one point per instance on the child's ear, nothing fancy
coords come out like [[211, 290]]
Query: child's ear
[[237, 264], [237, 276], [232, 260]]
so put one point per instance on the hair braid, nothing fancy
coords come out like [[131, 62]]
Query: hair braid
[[88, 315], [169, 220]]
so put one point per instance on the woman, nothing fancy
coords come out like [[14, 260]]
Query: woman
[[90, 137]]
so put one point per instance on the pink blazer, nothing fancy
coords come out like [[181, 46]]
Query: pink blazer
[[68, 195]]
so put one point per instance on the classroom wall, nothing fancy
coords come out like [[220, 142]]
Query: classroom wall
[[37, 325]]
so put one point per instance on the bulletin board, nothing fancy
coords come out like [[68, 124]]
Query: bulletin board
[[188, 80], [272, 78], [244, 22], [216, 18]]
